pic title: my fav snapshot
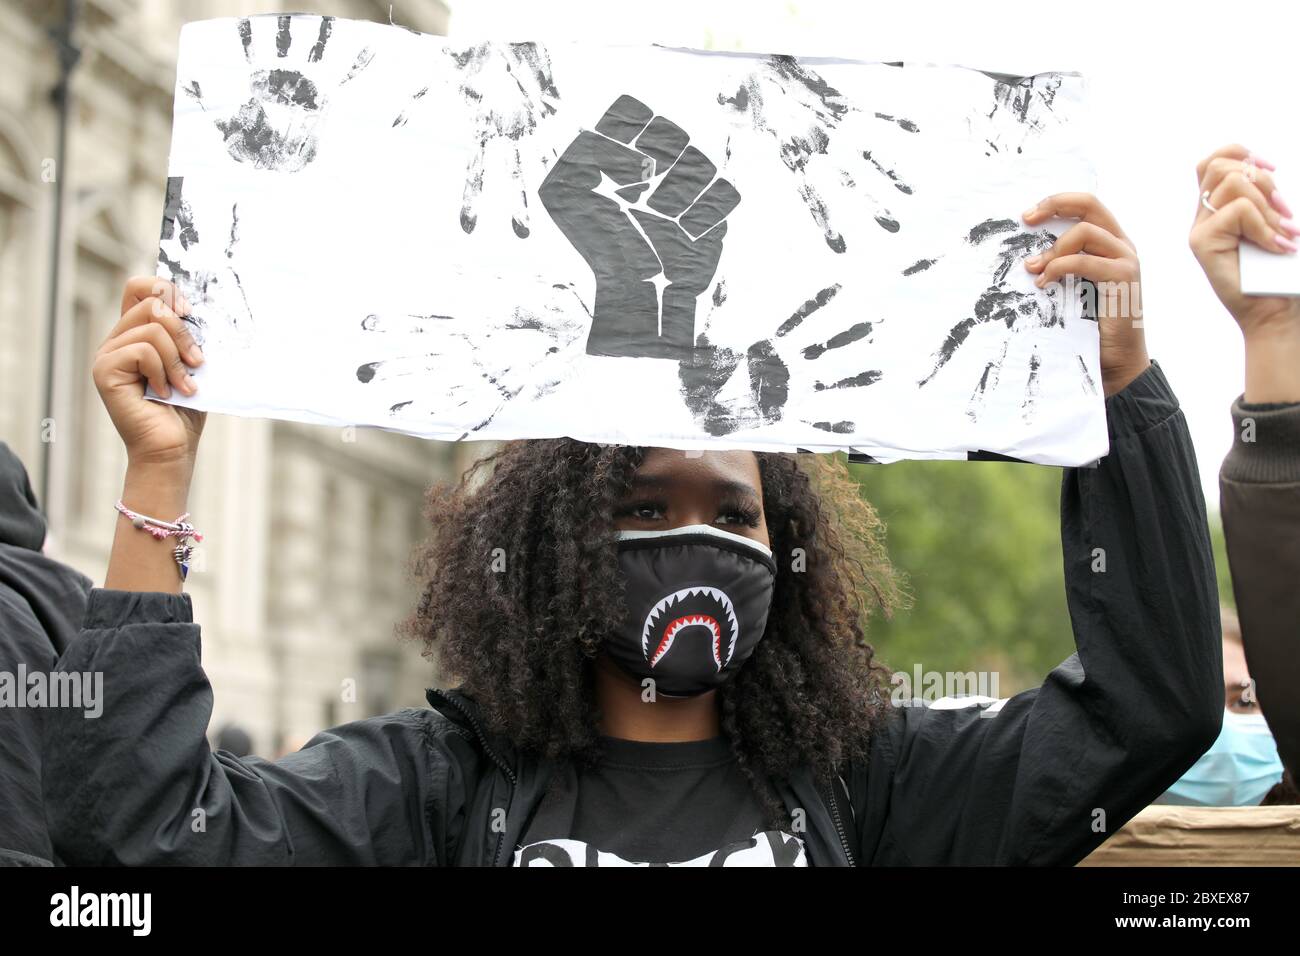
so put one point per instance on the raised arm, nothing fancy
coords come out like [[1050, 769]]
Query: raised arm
[[138, 784], [1259, 483], [1045, 776]]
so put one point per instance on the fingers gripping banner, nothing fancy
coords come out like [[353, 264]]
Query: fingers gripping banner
[[639, 245]]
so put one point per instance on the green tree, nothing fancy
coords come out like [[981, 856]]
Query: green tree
[[980, 546], [1226, 597], [979, 543]]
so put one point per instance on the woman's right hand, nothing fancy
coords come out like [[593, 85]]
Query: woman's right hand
[[151, 343], [1248, 207]]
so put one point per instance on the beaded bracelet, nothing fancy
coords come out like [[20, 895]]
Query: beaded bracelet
[[179, 529]]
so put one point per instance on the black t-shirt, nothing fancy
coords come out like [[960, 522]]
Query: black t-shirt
[[655, 804]]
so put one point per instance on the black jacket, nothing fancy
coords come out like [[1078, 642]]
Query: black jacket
[[41, 606], [1040, 778]]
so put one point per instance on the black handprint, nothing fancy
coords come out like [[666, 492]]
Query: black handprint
[[644, 210], [512, 90], [1000, 303], [216, 294], [457, 362], [1027, 100], [275, 128], [764, 386], [802, 112]]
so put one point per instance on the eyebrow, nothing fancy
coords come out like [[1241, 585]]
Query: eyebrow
[[723, 486]]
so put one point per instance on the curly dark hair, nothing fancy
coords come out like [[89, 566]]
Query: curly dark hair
[[522, 638]]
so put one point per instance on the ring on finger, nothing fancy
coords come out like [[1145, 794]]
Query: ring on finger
[[1205, 201]]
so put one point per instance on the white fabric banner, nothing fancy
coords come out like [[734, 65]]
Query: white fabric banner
[[626, 244]]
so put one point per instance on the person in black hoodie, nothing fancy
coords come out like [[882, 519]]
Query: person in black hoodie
[[41, 605], [662, 660]]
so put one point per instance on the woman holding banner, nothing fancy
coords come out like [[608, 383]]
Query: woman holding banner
[[662, 658]]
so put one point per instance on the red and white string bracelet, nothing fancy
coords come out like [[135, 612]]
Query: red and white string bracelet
[[180, 529]]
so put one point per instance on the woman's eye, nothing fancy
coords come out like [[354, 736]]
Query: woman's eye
[[743, 516], [645, 511]]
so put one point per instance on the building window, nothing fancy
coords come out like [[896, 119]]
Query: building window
[[378, 691]]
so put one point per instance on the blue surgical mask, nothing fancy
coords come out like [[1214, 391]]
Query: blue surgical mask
[[1240, 767]]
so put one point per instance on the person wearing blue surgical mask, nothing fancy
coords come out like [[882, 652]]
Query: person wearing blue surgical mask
[[1242, 765]]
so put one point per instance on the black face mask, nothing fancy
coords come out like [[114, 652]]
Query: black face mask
[[696, 605]]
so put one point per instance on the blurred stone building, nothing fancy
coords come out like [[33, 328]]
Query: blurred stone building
[[303, 573]]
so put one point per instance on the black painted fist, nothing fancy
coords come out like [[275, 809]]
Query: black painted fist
[[646, 212]]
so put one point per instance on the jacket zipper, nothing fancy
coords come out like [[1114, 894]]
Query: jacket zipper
[[839, 823], [497, 760]]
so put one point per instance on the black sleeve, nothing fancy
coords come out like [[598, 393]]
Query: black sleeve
[[1259, 492], [41, 606], [1045, 776], [23, 644], [139, 785]]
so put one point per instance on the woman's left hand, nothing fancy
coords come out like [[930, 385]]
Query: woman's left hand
[[1097, 249]]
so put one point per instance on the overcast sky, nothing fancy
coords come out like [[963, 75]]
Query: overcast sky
[[1169, 82]]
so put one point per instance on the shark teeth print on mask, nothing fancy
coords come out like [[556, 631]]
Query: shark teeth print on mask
[[677, 622]]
